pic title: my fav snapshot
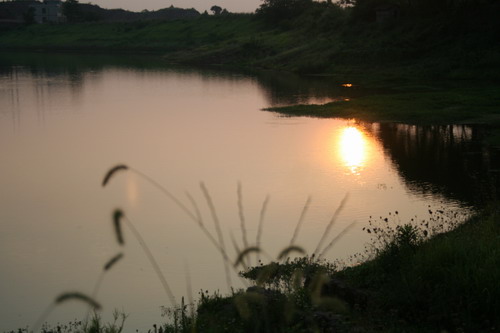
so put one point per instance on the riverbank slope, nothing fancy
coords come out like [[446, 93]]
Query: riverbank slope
[[325, 39]]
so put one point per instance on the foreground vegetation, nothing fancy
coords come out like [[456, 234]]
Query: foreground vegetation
[[413, 283], [437, 274], [417, 279]]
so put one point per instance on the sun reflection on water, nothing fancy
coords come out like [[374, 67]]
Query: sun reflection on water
[[132, 191], [352, 149]]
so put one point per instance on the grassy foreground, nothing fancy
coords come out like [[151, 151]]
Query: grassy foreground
[[415, 281]]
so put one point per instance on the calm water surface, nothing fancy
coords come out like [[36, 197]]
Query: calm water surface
[[64, 121]]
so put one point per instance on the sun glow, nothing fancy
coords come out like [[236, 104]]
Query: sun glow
[[132, 190], [352, 149]]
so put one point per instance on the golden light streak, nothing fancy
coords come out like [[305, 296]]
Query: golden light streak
[[132, 189]]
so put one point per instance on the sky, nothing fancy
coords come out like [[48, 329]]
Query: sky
[[235, 6]]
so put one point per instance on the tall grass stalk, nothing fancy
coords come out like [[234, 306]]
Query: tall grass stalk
[[151, 259], [261, 224], [109, 264], [218, 229], [301, 220], [242, 216], [330, 224], [335, 239], [196, 217], [64, 297]]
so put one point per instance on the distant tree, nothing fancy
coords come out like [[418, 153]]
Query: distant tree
[[279, 10], [29, 16], [224, 12], [71, 9], [216, 9]]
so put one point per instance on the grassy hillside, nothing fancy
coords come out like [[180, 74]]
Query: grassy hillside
[[323, 39], [141, 36]]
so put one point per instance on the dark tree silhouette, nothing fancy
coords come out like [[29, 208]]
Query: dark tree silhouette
[[71, 9], [29, 16], [216, 9]]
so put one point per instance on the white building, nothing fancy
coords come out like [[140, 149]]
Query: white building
[[48, 11]]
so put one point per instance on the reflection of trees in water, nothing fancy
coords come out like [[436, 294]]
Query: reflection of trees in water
[[288, 89], [71, 70], [450, 159], [37, 84]]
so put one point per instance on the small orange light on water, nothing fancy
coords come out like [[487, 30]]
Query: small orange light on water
[[347, 85]]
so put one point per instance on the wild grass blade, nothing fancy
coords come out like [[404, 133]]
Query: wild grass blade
[[218, 229], [332, 243], [152, 260], [196, 217], [330, 224], [213, 213], [117, 216], [79, 297], [301, 220], [261, 224], [111, 262], [166, 193], [199, 217], [244, 253], [242, 216], [235, 244], [189, 290], [61, 299], [45, 314], [112, 171], [293, 248]]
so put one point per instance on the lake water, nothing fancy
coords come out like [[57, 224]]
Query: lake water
[[65, 120]]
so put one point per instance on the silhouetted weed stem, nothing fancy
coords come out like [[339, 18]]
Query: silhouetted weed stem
[[204, 229], [151, 259], [301, 219], [241, 256], [78, 296], [112, 171], [261, 224], [341, 234], [330, 224], [64, 297], [111, 262], [117, 226], [242, 216], [292, 248], [213, 212], [167, 193], [107, 266], [195, 217], [195, 207], [233, 241], [189, 289]]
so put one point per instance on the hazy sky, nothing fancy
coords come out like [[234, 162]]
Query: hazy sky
[[237, 6]]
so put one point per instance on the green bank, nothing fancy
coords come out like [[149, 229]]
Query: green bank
[[458, 42]]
